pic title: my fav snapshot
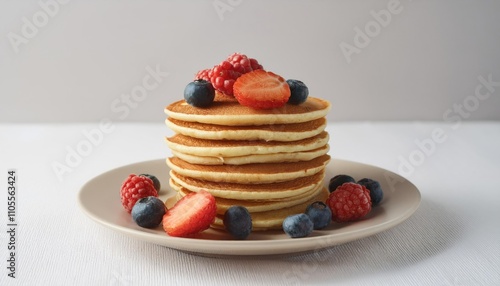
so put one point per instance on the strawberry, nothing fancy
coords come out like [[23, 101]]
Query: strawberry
[[190, 215], [261, 89]]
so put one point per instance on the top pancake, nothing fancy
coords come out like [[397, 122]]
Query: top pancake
[[226, 110]]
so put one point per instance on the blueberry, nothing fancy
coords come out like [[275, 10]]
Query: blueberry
[[320, 214], [199, 93], [148, 212], [155, 180], [238, 222], [376, 193], [338, 180], [298, 91], [298, 225]]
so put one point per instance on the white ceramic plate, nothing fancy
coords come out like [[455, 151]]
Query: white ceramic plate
[[100, 200]]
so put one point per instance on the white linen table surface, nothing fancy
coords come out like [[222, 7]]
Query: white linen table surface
[[452, 239]]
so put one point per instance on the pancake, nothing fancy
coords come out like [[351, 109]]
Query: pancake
[[271, 161], [255, 206], [273, 220], [233, 148], [249, 159], [227, 111], [271, 191], [250, 173], [268, 132]]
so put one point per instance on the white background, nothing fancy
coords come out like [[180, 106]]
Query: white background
[[84, 57]]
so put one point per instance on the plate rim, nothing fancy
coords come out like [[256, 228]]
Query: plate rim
[[250, 247]]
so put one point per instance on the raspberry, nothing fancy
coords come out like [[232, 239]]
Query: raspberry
[[243, 64], [225, 74], [255, 65], [349, 202], [223, 77], [203, 74], [134, 188]]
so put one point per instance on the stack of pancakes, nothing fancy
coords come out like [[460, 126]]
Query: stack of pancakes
[[270, 161]]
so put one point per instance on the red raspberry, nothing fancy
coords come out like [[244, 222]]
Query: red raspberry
[[349, 202], [243, 64], [225, 74], [223, 77], [135, 188], [203, 74]]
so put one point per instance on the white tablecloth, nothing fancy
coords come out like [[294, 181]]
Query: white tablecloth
[[452, 239]]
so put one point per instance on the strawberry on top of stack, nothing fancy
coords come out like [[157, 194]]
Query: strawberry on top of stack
[[223, 75], [252, 86]]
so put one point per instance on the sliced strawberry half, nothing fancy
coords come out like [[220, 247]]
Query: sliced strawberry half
[[190, 215], [261, 89]]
